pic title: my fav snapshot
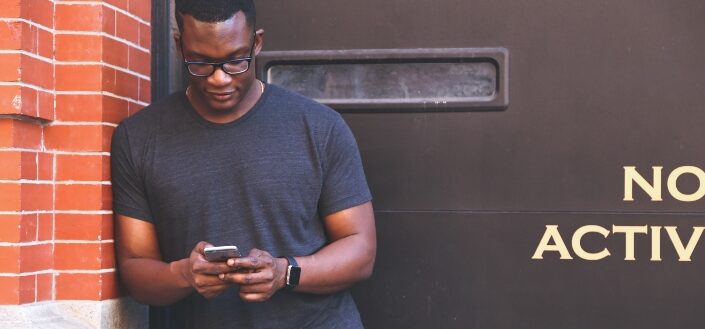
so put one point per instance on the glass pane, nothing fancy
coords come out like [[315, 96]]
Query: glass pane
[[389, 82]]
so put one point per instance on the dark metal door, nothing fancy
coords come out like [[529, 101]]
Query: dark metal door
[[463, 198]]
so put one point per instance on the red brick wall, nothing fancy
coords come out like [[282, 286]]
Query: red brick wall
[[69, 72]]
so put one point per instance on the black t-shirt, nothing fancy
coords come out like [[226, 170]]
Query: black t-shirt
[[263, 181]]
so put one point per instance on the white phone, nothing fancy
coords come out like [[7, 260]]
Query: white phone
[[221, 254]]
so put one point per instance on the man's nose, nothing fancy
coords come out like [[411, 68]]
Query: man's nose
[[219, 77]]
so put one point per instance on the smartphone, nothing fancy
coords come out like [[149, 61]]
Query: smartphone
[[221, 254]]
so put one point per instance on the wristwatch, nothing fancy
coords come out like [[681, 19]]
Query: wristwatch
[[293, 273]]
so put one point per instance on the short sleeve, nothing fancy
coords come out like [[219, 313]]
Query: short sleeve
[[344, 182], [129, 195]]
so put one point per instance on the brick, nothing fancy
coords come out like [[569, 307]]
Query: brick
[[79, 77], [45, 168], [29, 165], [78, 137], [10, 226], [139, 61], [110, 286], [79, 17], [11, 35], [108, 80], [82, 167], [45, 105], [141, 9], [45, 43], [11, 8], [127, 28], [81, 286], [10, 67], [7, 133], [36, 257], [39, 11], [27, 289], [27, 135], [9, 259], [11, 197], [30, 39], [45, 287], [80, 227], [145, 36], [79, 108], [145, 91], [29, 101], [28, 230], [77, 256], [115, 52], [21, 134], [10, 101], [77, 48], [126, 85], [45, 227], [37, 72], [108, 21], [83, 197], [107, 252], [10, 166], [37, 197], [9, 290], [114, 109]]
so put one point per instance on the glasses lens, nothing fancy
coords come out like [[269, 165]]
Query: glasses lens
[[236, 67], [200, 69]]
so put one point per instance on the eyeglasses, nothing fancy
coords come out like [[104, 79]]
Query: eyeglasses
[[232, 67]]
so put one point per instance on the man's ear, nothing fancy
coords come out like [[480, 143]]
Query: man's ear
[[259, 40], [177, 43]]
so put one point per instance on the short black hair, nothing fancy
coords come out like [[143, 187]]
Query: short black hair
[[213, 11]]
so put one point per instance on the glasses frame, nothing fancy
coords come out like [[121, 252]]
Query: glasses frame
[[219, 65]]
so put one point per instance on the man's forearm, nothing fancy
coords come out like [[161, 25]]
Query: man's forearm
[[337, 266], [155, 282]]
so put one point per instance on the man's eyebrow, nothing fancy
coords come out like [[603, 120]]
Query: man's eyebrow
[[233, 55]]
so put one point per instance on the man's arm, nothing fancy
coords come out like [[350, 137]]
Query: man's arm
[[347, 258], [152, 281]]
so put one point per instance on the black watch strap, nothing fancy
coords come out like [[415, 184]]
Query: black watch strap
[[293, 273]]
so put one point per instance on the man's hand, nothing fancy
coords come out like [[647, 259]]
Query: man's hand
[[201, 274], [259, 275]]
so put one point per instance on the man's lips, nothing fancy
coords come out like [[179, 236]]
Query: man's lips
[[221, 95]]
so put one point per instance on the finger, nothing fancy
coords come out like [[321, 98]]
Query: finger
[[206, 267], [249, 278], [252, 262], [203, 281], [200, 246], [257, 252]]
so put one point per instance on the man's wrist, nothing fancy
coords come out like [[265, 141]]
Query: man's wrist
[[180, 269], [282, 264]]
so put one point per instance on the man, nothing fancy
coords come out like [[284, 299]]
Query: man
[[233, 161]]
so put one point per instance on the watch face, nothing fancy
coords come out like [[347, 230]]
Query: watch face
[[292, 278]]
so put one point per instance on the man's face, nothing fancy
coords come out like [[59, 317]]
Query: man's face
[[220, 93]]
